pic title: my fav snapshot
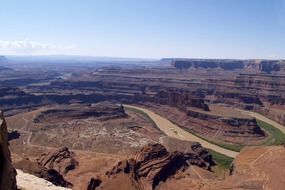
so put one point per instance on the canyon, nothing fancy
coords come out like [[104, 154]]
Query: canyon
[[164, 124]]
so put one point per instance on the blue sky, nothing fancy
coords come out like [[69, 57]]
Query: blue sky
[[144, 28]]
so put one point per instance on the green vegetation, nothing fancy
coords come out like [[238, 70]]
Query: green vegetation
[[277, 137], [146, 116], [233, 147], [223, 162]]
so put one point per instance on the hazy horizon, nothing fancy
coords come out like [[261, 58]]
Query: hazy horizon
[[62, 56]]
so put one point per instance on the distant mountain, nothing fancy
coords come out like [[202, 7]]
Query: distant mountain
[[3, 59], [267, 66]]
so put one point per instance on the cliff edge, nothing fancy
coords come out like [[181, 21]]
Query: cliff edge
[[7, 171]]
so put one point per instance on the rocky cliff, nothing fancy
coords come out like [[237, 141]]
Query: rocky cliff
[[61, 160], [266, 66], [151, 165], [7, 171], [181, 100], [51, 166], [193, 152]]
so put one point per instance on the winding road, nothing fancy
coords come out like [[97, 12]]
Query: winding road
[[172, 130]]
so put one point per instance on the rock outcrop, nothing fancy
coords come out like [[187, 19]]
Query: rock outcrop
[[152, 165], [61, 160], [193, 152], [7, 171]]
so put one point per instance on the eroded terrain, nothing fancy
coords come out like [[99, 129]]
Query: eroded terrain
[[51, 107]]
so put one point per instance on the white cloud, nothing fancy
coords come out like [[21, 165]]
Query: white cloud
[[27, 47]]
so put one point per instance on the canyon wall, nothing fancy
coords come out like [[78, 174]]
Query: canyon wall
[[266, 66]]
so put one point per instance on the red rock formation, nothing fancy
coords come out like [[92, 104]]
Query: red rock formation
[[151, 165], [193, 152], [180, 100], [61, 160], [7, 171], [154, 164]]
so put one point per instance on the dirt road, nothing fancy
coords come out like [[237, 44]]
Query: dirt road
[[172, 130]]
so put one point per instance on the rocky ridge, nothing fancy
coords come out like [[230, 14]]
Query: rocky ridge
[[152, 165], [101, 111], [61, 160], [52, 166], [266, 66]]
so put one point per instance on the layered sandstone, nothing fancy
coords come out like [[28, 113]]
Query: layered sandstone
[[62, 160], [227, 129], [193, 152], [181, 100], [152, 165]]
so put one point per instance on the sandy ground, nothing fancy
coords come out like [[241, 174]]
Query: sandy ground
[[173, 130], [264, 119], [30, 182]]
